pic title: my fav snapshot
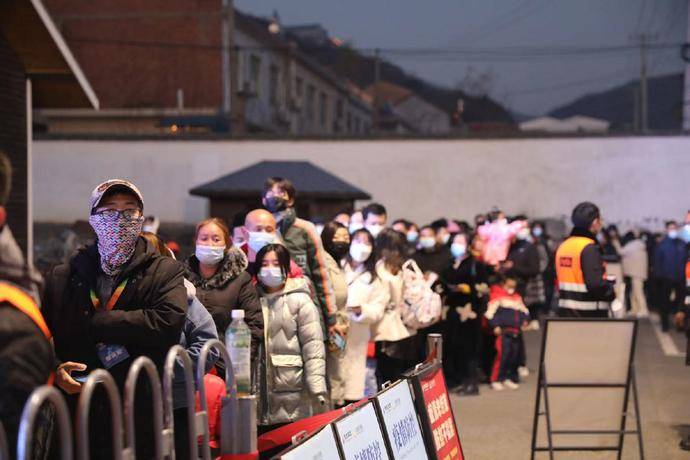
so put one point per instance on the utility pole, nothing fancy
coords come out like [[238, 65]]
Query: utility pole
[[644, 39], [377, 78], [230, 107], [686, 84]]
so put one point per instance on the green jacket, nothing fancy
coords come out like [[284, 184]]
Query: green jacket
[[303, 242]]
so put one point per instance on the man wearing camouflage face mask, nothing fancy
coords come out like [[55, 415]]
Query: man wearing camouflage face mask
[[115, 300]]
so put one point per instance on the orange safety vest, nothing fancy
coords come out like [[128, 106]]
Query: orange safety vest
[[24, 303], [572, 289]]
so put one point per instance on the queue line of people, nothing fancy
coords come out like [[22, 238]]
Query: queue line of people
[[328, 313]]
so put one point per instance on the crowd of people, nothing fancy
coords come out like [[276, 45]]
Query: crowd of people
[[332, 312]]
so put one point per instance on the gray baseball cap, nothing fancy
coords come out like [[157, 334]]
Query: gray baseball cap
[[101, 190]]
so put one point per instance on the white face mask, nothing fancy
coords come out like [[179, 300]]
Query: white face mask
[[445, 238], [360, 252], [354, 226], [210, 255], [537, 232], [257, 240], [238, 242], [271, 276], [374, 229], [427, 242], [523, 234]]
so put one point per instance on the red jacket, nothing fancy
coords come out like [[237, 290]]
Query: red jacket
[[506, 310], [215, 391]]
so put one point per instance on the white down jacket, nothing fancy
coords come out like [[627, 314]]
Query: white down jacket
[[295, 359], [371, 296]]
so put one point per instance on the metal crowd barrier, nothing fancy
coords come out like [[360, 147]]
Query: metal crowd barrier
[[168, 418], [434, 348], [31, 410], [99, 377], [238, 412], [163, 444]]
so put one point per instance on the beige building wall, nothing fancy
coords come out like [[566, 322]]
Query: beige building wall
[[638, 180]]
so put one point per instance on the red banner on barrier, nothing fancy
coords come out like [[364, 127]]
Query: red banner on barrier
[[440, 415]]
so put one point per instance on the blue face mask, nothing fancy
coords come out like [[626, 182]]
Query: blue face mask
[[685, 233], [271, 276], [458, 250], [412, 236], [257, 240], [673, 234], [210, 255]]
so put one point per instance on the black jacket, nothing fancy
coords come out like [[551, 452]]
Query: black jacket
[[147, 318], [229, 289], [435, 260], [26, 357], [598, 289], [525, 258], [470, 272]]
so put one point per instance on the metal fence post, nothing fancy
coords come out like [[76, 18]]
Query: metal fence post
[[168, 419], [99, 377], [4, 449], [33, 405], [228, 432], [434, 348], [145, 364]]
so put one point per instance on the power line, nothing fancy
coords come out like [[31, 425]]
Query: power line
[[515, 15], [499, 53], [570, 84]]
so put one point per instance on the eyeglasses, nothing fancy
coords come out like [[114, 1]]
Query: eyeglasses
[[112, 214]]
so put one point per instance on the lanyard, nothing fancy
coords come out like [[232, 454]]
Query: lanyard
[[113, 299]]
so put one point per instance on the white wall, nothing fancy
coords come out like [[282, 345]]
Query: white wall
[[632, 179]]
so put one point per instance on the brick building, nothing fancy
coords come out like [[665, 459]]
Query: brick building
[[157, 67], [37, 70]]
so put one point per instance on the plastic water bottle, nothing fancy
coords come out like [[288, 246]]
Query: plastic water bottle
[[238, 339]]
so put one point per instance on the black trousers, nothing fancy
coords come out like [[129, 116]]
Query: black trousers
[[181, 433], [668, 305], [394, 358], [461, 347]]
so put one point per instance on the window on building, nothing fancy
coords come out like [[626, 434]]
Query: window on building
[[339, 109], [323, 107], [310, 100], [348, 124], [255, 72], [273, 85], [357, 125]]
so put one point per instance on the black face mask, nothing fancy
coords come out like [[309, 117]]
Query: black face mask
[[275, 204], [339, 250]]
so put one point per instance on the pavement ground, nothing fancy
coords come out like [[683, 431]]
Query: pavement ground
[[498, 425]]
